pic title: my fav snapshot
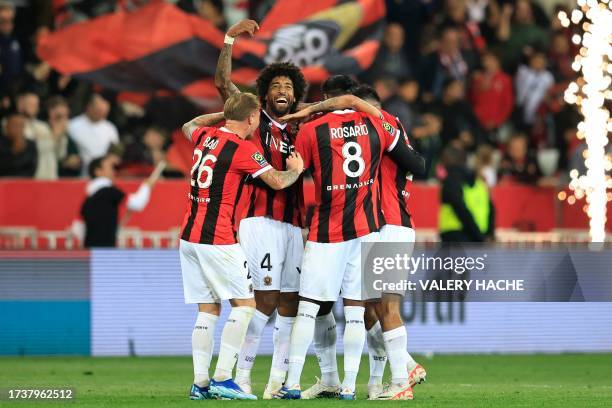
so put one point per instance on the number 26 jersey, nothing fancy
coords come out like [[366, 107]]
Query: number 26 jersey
[[221, 159]]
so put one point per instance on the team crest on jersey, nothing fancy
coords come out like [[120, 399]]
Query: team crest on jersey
[[258, 157], [387, 126], [267, 280]]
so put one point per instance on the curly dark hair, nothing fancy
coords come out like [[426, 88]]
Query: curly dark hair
[[286, 69]]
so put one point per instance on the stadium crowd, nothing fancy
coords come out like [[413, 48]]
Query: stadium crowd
[[486, 76]]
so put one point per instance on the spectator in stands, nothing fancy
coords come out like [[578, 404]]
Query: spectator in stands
[[491, 94], [391, 60], [412, 15], [456, 15], [69, 162], [10, 50], [91, 131], [18, 155], [496, 26], [28, 104], [423, 127], [520, 163], [140, 157], [212, 10], [477, 10], [524, 37], [532, 84], [100, 210], [458, 119], [561, 56], [448, 62], [484, 164], [386, 88]]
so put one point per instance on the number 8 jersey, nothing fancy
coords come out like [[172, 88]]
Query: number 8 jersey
[[344, 150], [221, 159]]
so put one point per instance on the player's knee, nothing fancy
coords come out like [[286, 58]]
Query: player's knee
[[390, 305], [246, 303], [351, 302], [370, 317], [325, 308], [288, 304], [210, 308], [267, 301]]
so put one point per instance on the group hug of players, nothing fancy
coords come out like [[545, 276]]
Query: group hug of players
[[360, 161]]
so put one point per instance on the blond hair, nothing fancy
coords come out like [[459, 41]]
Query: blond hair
[[240, 105]]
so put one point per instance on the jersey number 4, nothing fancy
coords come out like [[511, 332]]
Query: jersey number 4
[[201, 166], [265, 262]]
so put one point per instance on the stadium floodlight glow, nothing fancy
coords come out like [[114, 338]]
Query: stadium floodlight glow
[[589, 93]]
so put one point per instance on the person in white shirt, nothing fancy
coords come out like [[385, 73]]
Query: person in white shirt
[[92, 132], [532, 83]]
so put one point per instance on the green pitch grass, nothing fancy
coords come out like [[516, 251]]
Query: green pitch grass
[[566, 380]]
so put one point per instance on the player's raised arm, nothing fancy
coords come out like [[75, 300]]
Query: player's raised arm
[[201, 121], [335, 103], [223, 82], [278, 180]]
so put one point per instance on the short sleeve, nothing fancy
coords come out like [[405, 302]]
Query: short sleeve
[[302, 145], [197, 132], [390, 135], [249, 160]]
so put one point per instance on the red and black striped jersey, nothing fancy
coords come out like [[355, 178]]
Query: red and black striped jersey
[[395, 184], [221, 160], [344, 150], [276, 143]]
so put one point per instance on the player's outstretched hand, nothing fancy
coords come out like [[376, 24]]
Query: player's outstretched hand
[[297, 116], [295, 162], [243, 26]]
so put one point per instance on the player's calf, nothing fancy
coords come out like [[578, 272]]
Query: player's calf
[[266, 303]]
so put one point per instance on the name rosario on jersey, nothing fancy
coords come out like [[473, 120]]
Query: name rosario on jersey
[[352, 131], [278, 144], [350, 186]]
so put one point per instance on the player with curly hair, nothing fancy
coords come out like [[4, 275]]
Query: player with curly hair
[[271, 229]]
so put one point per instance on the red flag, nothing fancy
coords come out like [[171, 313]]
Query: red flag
[[160, 48]]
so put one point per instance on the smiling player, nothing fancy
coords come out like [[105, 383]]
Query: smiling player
[[270, 233]]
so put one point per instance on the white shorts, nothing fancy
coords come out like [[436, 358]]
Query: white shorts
[[274, 253], [212, 273], [330, 270], [396, 233]]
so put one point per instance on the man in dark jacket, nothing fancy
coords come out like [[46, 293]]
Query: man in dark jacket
[[100, 210], [18, 156]]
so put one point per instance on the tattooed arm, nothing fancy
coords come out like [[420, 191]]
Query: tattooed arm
[[278, 180], [201, 121], [331, 104], [224, 84], [281, 179]]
